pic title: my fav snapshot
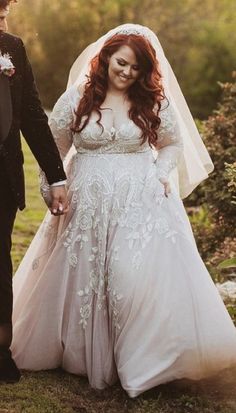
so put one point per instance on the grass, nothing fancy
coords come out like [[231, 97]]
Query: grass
[[60, 392], [28, 221]]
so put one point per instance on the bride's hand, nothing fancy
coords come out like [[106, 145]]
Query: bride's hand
[[59, 203], [166, 184]]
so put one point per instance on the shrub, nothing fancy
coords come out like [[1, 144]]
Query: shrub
[[230, 174], [219, 135]]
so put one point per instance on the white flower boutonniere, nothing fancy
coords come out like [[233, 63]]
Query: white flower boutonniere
[[6, 65]]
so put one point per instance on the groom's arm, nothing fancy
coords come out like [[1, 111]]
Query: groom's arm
[[34, 126]]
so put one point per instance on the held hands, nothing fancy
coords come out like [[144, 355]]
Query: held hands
[[166, 184], [59, 203]]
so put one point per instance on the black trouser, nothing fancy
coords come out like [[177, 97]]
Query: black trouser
[[7, 216]]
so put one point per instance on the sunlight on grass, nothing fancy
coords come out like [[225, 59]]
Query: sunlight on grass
[[28, 221]]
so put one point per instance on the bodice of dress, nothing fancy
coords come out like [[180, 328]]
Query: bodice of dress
[[94, 139], [113, 138], [110, 137]]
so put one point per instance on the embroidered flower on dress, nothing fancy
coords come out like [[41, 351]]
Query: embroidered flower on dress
[[73, 260], [6, 66], [84, 220]]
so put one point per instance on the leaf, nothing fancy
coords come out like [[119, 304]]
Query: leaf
[[229, 263]]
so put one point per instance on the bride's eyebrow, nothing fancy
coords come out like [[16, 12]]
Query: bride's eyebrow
[[121, 58], [125, 61]]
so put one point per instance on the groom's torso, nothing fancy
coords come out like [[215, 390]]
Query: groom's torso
[[11, 156], [29, 118], [13, 46]]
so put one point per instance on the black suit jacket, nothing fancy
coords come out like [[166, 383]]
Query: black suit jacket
[[29, 118]]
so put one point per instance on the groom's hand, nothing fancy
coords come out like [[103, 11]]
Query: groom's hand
[[59, 202]]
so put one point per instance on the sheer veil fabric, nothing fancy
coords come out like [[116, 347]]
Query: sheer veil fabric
[[195, 163]]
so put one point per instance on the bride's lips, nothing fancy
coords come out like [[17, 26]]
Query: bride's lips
[[124, 78]]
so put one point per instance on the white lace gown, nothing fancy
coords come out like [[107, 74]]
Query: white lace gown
[[116, 288]]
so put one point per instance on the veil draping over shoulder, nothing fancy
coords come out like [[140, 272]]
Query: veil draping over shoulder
[[195, 163]]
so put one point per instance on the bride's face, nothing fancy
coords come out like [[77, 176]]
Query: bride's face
[[123, 69]]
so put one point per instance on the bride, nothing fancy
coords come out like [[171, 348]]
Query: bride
[[115, 288]]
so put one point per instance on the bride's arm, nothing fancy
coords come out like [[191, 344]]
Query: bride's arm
[[170, 144], [60, 122]]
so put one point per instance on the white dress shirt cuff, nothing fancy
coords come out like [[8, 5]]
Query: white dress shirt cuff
[[59, 183]]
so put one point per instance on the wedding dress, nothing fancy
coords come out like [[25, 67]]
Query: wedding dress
[[116, 288]]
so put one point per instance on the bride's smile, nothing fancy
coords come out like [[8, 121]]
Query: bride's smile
[[123, 69]]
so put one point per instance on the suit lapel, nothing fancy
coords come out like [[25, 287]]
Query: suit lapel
[[5, 107]]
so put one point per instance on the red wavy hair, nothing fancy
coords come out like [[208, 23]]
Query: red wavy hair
[[145, 94]]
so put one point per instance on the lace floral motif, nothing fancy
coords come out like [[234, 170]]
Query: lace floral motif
[[170, 143], [60, 123], [168, 130], [105, 199], [164, 167], [94, 140], [114, 185]]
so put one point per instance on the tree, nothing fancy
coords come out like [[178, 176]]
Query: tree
[[198, 39]]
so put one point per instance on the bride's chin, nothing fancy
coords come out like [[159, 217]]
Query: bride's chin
[[120, 88]]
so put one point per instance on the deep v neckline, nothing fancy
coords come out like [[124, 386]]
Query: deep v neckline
[[113, 131]]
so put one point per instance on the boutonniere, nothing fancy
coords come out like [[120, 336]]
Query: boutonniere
[[6, 65]]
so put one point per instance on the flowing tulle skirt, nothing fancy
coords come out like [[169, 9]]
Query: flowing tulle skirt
[[116, 288]]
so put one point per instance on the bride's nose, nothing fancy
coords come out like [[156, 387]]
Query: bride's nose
[[127, 71]]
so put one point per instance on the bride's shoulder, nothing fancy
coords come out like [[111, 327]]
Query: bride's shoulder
[[80, 89], [74, 93]]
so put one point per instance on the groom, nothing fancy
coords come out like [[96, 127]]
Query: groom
[[20, 110]]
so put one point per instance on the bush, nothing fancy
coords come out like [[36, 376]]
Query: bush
[[212, 206], [219, 135], [230, 174]]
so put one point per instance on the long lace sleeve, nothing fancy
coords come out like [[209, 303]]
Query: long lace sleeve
[[170, 144], [60, 122]]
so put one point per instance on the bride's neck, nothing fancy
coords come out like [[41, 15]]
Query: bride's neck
[[117, 94], [115, 98]]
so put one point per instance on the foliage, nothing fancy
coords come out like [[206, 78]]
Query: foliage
[[229, 299], [204, 231], [198, 38], [219, 134], [229, 263], [230, 174], [212, 205]]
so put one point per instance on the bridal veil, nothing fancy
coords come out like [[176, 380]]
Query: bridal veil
[[195, 163]]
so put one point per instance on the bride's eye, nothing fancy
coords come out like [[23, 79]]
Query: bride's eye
[[121, 63]]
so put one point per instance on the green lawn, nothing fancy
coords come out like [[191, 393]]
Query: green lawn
[[59, 392], [28, 221]]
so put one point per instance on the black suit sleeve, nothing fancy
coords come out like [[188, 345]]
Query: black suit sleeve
[[34, 126]]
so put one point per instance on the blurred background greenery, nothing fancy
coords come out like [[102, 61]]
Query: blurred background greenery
[[198, 37]]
